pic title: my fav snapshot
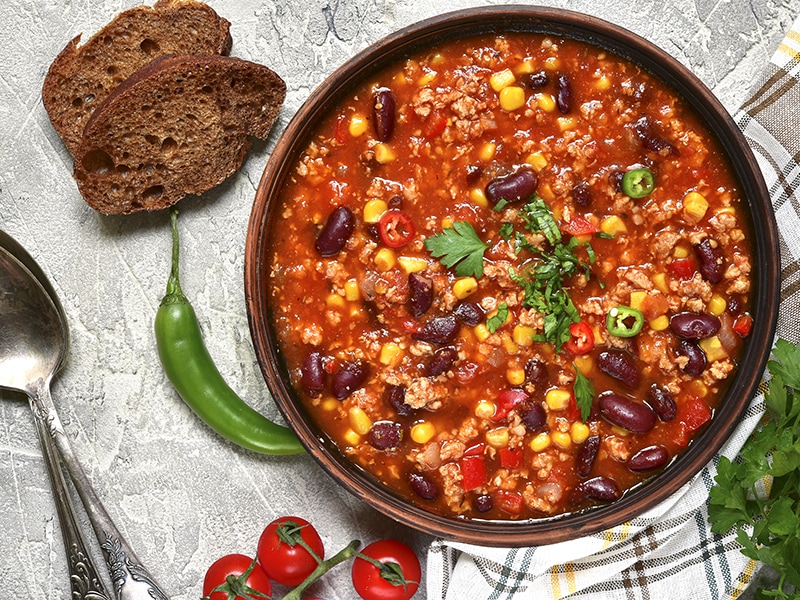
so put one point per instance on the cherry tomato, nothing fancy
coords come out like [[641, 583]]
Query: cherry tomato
[[373, 583], [582, 340], [396, 228], [236, 565], [282, 556]]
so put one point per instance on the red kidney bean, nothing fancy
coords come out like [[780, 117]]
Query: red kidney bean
[[620, 365], [535, 81], [662, 402], [564, 95], [483, 503], [439, 331], [650, 141], [348, 378], [312, 374], [734, 306], [420, 294], [384, 435], [441, 362], [395, 395], [473, 174], [383, 111], [533, 416], [599, 488], [582, 195], [337, 230], [615, 180], [626, 413], [423, 487], [586, 455], [694, 326], [648, 459], [469, 313], [711, 259], [535, 371], [697, 358], [520, 185]]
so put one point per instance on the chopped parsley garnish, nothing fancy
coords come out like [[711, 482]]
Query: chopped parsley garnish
[[584, 393], [459, 246], [538, 218], [506, 231], [496, 321]]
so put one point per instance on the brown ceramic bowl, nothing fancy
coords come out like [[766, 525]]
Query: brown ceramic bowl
[[497, 20]]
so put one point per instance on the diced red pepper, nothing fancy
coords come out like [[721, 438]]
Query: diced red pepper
[[580, 225], [683, 268], [743, 325], [511, 502], [434, 124], [340, 133], [511, 458], [694, 413], [573, 412], [582, 340], [506, 401], [473, 470]]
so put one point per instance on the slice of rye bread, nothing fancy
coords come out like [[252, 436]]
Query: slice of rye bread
[[179, 126], [80, 78]]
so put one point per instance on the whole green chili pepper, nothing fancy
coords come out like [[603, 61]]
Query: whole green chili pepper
[[624, 321], [192, 371]]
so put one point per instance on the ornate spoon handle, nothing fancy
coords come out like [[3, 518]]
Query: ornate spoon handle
[[85, 582], [130, 579]]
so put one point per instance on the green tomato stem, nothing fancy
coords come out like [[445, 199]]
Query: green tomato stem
[[324, 566]]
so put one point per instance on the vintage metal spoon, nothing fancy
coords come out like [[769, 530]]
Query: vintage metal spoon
[[33, 346]]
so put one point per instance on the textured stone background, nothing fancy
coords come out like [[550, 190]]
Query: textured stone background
[[179, 494]]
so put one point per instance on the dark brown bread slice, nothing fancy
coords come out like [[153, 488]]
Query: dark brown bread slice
[[81, 77], [179, 126]]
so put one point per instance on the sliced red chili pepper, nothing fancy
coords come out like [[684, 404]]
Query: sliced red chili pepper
[[473, 470], [340, 133], [683, 268], [511, 502], [506, 401], [582, 340], [743, 325], [580, 225], [511, 458], [396, 228]]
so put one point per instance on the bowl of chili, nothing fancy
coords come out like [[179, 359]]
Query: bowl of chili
[[499, 275]]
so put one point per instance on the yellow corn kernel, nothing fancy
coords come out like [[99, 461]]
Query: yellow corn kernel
[[620, 431], [515, 376], [330, 404], [447, 223], [381, 287], [481, 332], [373, 210], [698, 388], [384, 259], [410, 264], [546, 192], [537, 160], [552, 63], [356, 311], [546, 102], [358, 125], [602, 83], [464, 287], [437, 58], [540, 442], [501, 79], [352, 438], [484, 409], [498, 438], [486, 153], [680, 252], [390, 354], [427, 78], [561, 439], [695, 206], [557, 399], [351, 290], [717, 305], [512, 98], [478, 197], [660, 281], [613, 225], [566, 123], [334, 300], [584, 363], [384, 153], [659, 323], [526, 66], [422, 432], [510, 346], [359, 420], [523, 335], [579, 432], [637, 299], [713, 348]]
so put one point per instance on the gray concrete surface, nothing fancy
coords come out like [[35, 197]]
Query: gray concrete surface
[[180, 494]]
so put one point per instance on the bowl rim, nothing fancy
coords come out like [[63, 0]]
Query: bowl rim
[[765, 276]]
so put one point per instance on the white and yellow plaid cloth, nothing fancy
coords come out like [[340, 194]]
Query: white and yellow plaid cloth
[[670, 551]]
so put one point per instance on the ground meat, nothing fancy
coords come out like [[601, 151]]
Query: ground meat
[[616, 447], [451, 484], [421, 392]]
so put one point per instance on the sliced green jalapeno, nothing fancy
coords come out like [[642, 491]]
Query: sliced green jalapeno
[[624, 321], [638, 183]]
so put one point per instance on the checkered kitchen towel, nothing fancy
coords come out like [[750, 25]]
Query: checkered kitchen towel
[[670, 551]]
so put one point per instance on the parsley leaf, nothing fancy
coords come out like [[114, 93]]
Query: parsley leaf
[[496, 321], [768, 526], [459, 246], [537, 217], [584, 393]]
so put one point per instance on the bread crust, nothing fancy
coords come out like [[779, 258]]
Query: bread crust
[[179, 126], [81, 77]]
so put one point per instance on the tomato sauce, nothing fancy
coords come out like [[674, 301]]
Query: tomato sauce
[[511, 276]]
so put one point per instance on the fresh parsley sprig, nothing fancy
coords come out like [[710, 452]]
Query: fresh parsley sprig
[[768, 528], [584, 393], [459, 246]]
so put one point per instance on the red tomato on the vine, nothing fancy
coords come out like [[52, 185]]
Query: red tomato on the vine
[[236, 565], [282, 556], [372, 583]]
